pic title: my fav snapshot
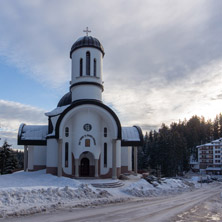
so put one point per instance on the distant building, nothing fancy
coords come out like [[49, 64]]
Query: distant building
[[84, 137], [210, 157]]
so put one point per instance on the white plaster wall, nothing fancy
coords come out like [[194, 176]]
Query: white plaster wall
[[54, 121], [67, 170], [98, 118], [105, 170], [86, 92], [52, 153], [130, 158], [118, 153], [30, 157], [81, 53], [39, 155], [79, 135], [124, 156]]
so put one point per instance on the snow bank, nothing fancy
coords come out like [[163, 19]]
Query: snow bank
[[17, 200], [24, 193], [38, 178], [142, 188]]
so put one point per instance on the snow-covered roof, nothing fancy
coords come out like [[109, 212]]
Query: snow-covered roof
[[57, 111], [217, 141], [132, 136], [212, 143], [213, 168], [32, 135]]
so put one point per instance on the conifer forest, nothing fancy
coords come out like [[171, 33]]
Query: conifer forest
[[167, 151]]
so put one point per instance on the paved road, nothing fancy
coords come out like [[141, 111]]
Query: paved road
[[150, 210]]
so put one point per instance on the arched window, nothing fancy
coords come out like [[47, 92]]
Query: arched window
[[80, 67], [105, 132], [67, 131], [88, 63], [66, 154], [105, 155], [94, 67]]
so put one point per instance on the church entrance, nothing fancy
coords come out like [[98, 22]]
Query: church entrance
[[84, 167]]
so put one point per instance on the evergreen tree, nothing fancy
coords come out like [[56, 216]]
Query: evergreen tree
[[216, 127], [8, 159], [170, 148]]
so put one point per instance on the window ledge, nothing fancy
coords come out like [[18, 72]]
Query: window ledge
[[87, 77]]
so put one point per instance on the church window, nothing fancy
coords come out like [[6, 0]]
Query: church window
[[105, 132], [67, 131], [87, 142], [80, 67], [94, 67], [105, 154], [88, 63], [66, 154]]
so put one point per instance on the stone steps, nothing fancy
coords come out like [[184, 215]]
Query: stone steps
[[108, 185]]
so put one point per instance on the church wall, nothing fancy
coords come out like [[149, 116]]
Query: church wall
[[67, 139], [98, 118], [91, 91], [54, 121], [130, 158], [52, 153], [81, 53], [86, 92], [80, 135], [39, 155], [118, 153], [30, 157], [105, 170], [124, 156]]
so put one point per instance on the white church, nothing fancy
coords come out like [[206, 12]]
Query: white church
[[84, 137]]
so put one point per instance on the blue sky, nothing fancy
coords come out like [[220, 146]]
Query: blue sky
[[163, 59], [23, 89]]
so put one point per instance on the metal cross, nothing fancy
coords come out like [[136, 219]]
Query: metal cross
[[87, 31]]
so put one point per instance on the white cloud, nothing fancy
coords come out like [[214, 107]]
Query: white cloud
[[12, 114], [162, 61], [165, 103]]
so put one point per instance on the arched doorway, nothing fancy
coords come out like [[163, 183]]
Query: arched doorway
[[84, 167]]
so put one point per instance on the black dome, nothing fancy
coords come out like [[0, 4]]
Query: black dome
[[87, 41], [65, 100]]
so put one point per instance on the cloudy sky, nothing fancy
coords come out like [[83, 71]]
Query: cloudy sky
[[163, 59]]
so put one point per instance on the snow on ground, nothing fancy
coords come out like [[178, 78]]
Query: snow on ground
[[25, 193], [209, 210], [142, 188]]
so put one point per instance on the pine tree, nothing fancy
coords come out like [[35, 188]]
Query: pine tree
[[220, 125], [8, 160]]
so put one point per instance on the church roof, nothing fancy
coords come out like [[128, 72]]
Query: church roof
[[87, 41], [132, 136], [32, 135], [65, 100]]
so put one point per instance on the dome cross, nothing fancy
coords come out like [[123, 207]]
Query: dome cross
[[87, 31]]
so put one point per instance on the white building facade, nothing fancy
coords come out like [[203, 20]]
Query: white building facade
[[84, 137], [210, 157]]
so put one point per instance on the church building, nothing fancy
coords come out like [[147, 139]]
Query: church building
[[84, 137]]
